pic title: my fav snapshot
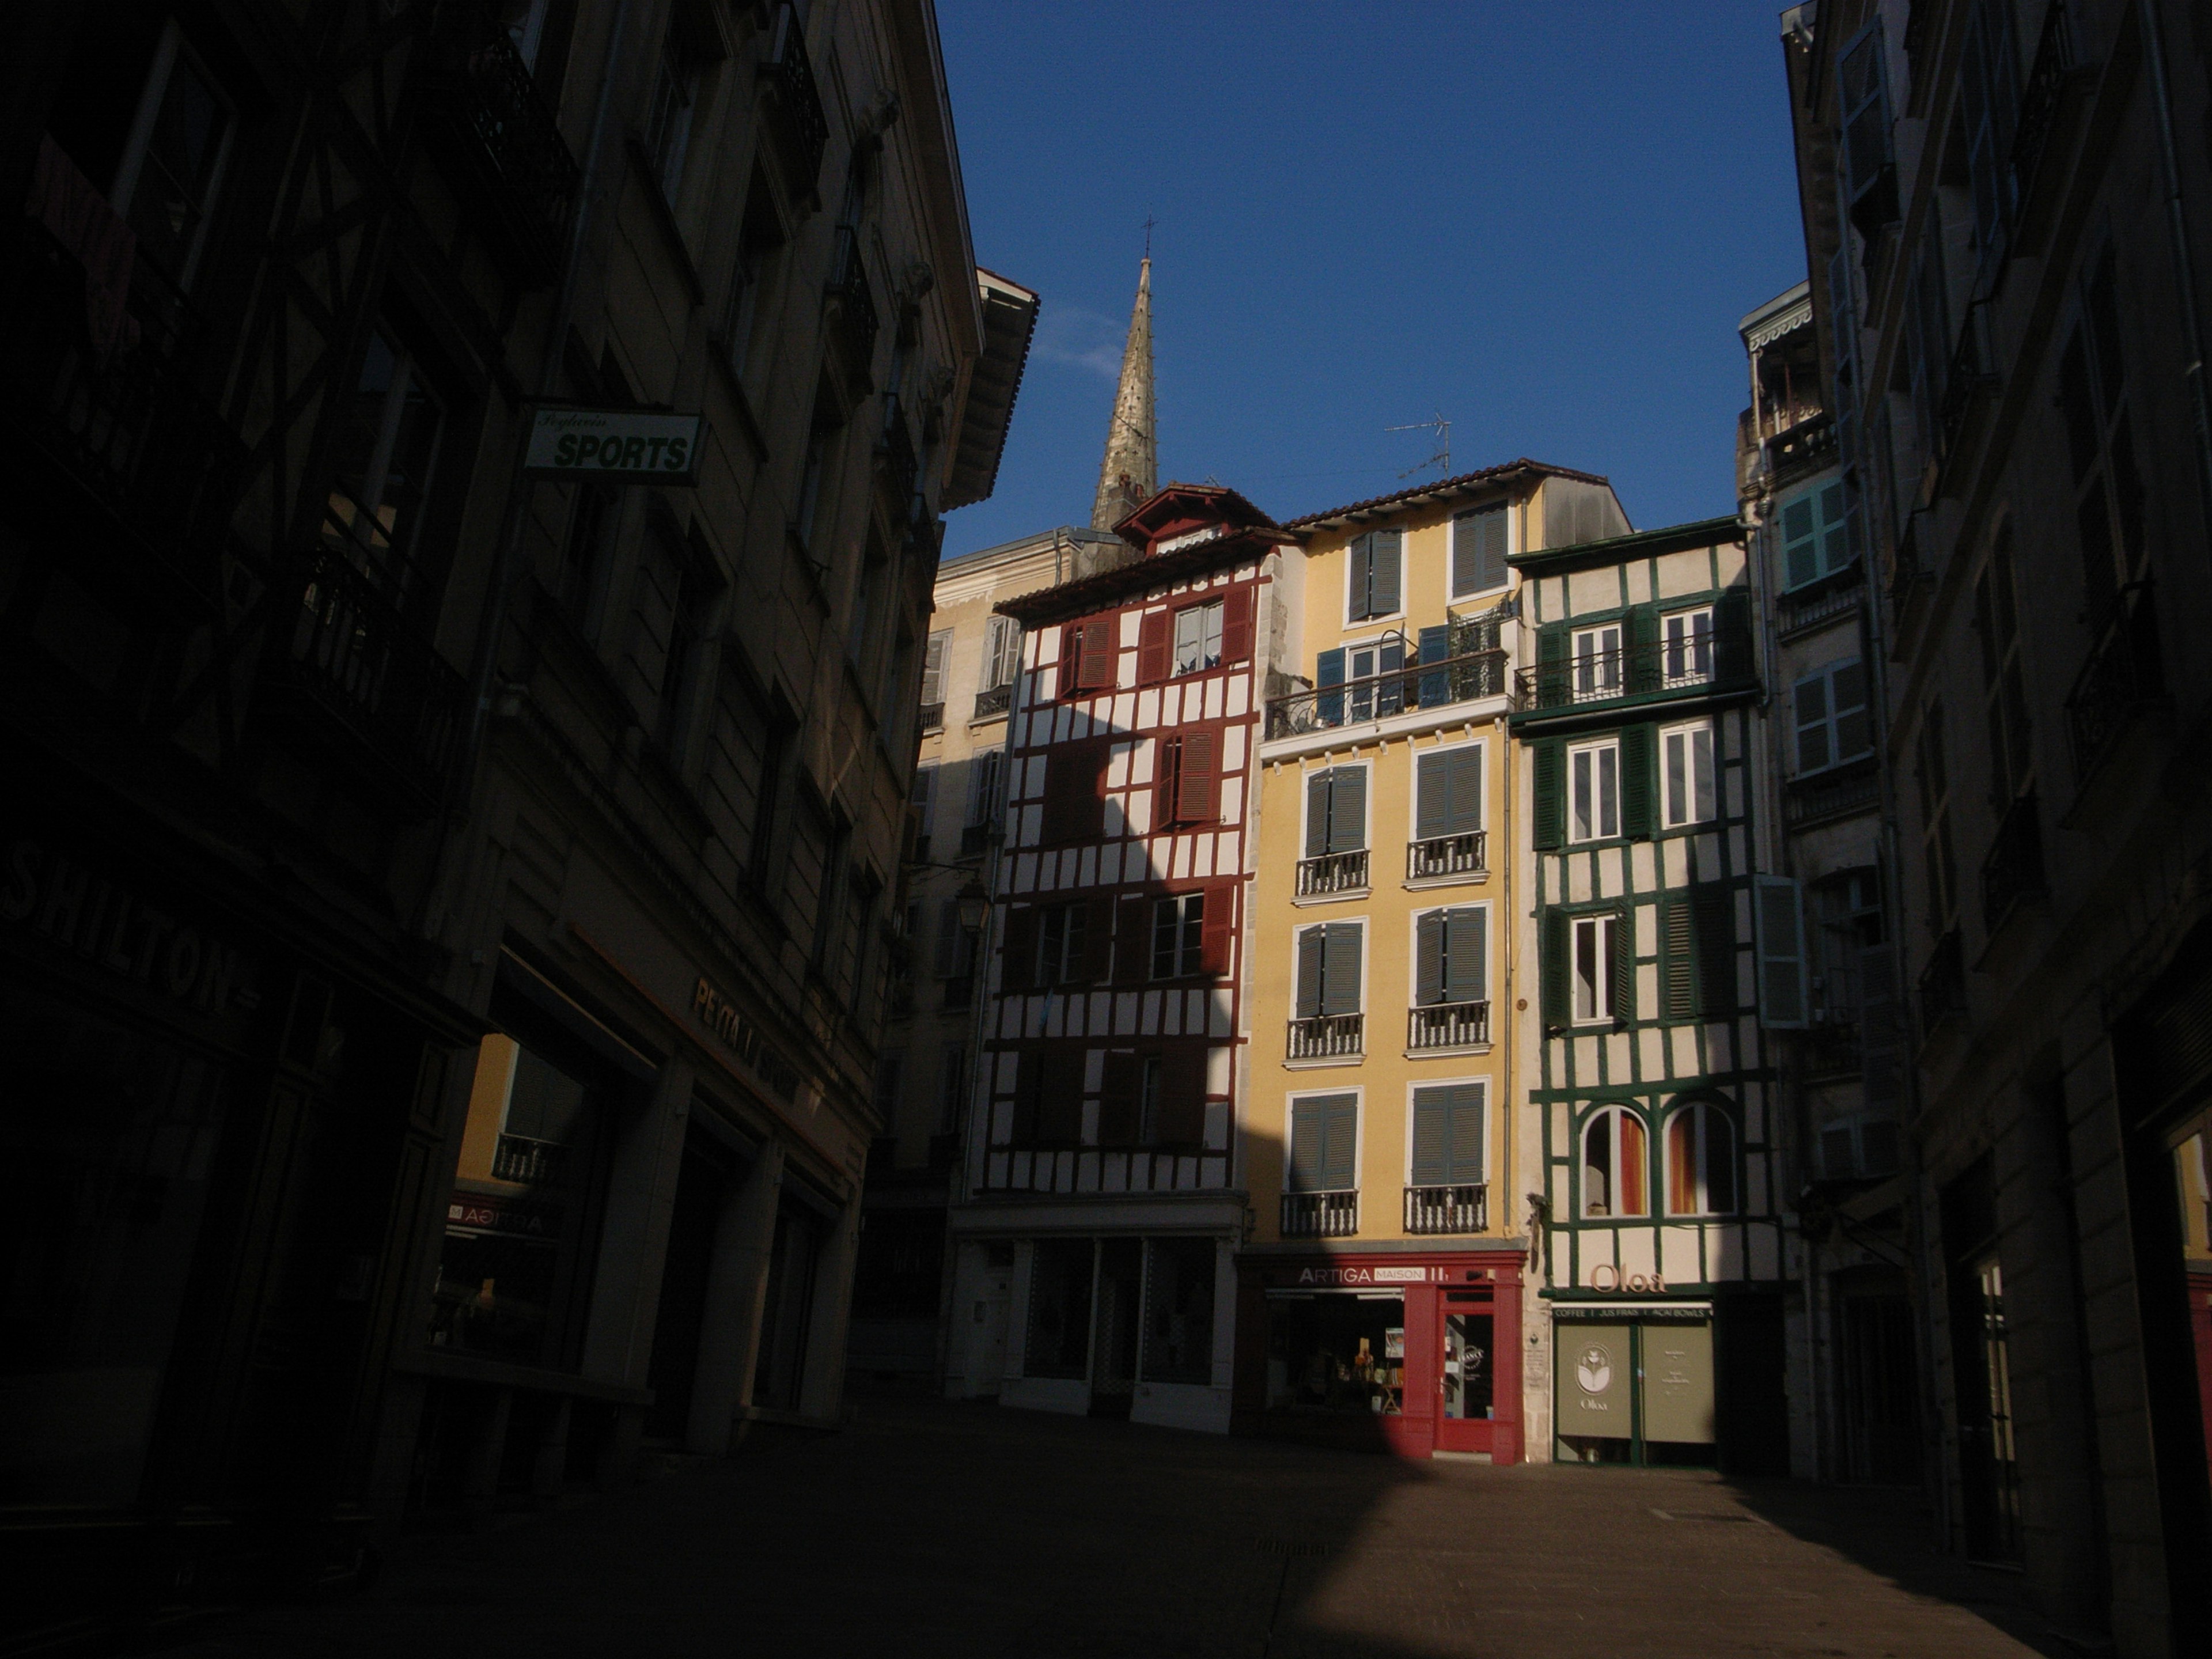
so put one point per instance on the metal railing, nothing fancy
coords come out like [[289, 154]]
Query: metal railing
[[2124, 674], [1326, 1036], [2040, 96], [1829, 603], [853, 301], [503, 137], [1463, 1209], [1830, 1050], [802, 124], [1943, 984], [1718, 659], [1441, 856], [2013, 870], [1425, 685], [1333, 872], [1972, 373], [1857, 788], [1447, 1025], [993, 702], [1320, 1215], [975, 838], [530, 1163]]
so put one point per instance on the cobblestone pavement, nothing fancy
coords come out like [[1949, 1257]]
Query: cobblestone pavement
[[932, 1529]]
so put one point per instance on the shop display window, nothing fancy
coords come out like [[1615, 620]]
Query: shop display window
[[1058, 1342], [1179, 1310], [1336, 1352]]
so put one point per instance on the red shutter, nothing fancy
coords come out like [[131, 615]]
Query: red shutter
[[1213, 935], [1075, 792], [1028, 1087], [1017, 950], [1198, 786], [1132, 939], [1154, 638], [1166, 770], [1095, 667], [1183, 1094], [1236, 623], [1117, 1099], [1098, 920]]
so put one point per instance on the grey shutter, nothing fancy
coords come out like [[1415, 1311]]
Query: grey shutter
[[1306, 1129], [933, 667], [1809, 706], [1317, 814], [1432, 807], [947, 960], [1465, 1142], [1880, 1034], [1360, 554], [1389, 549], [1435, 690], [1428, 958], [1781, 953], [1311, 944], [1466, 949], [1347, 809], [1329, 670], [1339, 990], [1431, 1137], [1489, 557], [925, 798], [1463, 782], [1340, 1169]]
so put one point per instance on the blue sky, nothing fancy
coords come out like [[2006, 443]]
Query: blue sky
[[1542, 220]]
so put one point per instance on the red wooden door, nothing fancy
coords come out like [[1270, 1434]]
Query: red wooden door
[[1467, 1381]]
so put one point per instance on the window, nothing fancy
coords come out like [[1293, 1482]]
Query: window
[[1062, 946], [1373, 562], [1447, 1137], [1867, 172], [1178, 936], [1002, 653], [891, 1070], [863, 623], [1188, 787], [1700, 1161], [1088, 655], [174, 163], [1074, 791], [1594, 791], [1324, 1132], [952, 1086], [1336, 811], [1615, 1164], [1989, 100], [1329, 969], [1781, 943], [753, 275], [935, 657], [1048, 1098], [1687, 641], [685, 667], [1198, 638], [1451, 956], [1833, 723], [1935, 790], [1595, 939], [1816, 535], [1058, 1340], [1697, 953], [1687, 758], [1448, 784], [985, 803], [1478, 551], [1179, 1295], [776, 757], [591, 522], [1597, 662], [924, 801], [2004, 685], [386, 450], [668, 118], [821, 448]]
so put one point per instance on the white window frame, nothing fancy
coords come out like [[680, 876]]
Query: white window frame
[[1703, 804], [1413, 794], [1619, 1113], [1604, 997], [1291, 1103], [1205, 650], [1367, 925], [1593, 677], [1599, 831], [1682, 645], [1183, 947]]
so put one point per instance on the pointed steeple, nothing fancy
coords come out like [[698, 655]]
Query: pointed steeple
[[1130, 473]]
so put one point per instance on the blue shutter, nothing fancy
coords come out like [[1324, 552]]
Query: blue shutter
[[1329, 670], [1436, 645], [1429, 947], [1312, 944], [1317, 814], [1347, 809], [1465, 954], [1339, 988]]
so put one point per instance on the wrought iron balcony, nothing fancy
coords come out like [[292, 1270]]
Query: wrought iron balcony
[[975, 839], [1943, 984], [1333, 872], [1831, 601], [1447, 1025], [2014, 869], [2123, 676], [491, 124], [1464, 1209], [1424, 685], [895, 456], [532, 1162], [1320, 1215], [1327, 1036], [1973, 373], [801, 127], [852, 303], [1855, 787], [1442, 857], [1720, 661], [993, 702]]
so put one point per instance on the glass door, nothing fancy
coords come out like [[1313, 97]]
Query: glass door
[[1467, 1359]]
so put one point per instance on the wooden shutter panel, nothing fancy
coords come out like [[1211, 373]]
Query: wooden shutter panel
[[1428, 958], [1466, 950], [932, 667], [1639, 780], [1117, 1098], [1029, 1089], [1464, 782], [1434, 690], [1552, 667], [1132, 938], [1548, 829], [1347, 809], [1341, 968], [1432, 793], [1153, 643], [1623, 965], [1641, 638], [1312, 944], [1465, 533], [1181, 1119], [1553, 965], [1339, 1168], [1432, 1160], [1094, 665], [1236, 624], [1809, 707], [1781, 941], [1097, 939], [1679, 958], [1059, 1105], [1167, 769], [1017, 950], [1881, 1028], [1360, 555], [1732, 645], [1329, 670], [1214, 927], [1463, 1145], [1490, 549], [1307, 1122], [1389, 550], [1713, 921], [1198, 786], [1317, 814]]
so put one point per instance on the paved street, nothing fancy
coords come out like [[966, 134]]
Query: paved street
[[931, 1529]]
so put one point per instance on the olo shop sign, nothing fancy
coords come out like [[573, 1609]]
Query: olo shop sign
[[1604, 1276], [614, 446]]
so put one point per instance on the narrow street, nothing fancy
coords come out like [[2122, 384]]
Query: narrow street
[[933, 1528]]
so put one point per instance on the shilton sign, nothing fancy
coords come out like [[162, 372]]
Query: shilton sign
[[614, 446]]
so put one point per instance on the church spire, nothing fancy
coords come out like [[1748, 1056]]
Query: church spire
[[1130, 473]]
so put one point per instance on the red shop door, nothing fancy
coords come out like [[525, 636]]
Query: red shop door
[[1469, 1403]]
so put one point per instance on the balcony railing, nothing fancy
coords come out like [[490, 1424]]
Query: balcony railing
[[1327, 1036], [2123, 676], [932, 717], [1972, 372], [1853, 787], [1830, 1050], [1463, 1209], [1447, 1025], [2041, 97], [1442, 857], [1824, 606], [894, 454], [1718, 660], [1425, 685], [1804, 447], [1333, 872], [800, 122], [993, 702], [501, 136], [2014, 869], [852, 304], [532, 1162], [1943, 984], [974, 839], [1320, 1215]]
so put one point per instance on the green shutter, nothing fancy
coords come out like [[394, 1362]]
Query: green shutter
[[1552, 673], [1329, 670], [1429, 946], [1466, 949], [1713, 921], [1340, 987], [1435, 690], [1801, 541], [1549, 789], [1552, 953], [1623, 965], [1310, 945], [1638, 773], [1678, 959], [1732, 650], [1641, 636]]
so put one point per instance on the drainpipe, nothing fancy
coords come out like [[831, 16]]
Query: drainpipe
[[2184, 273]]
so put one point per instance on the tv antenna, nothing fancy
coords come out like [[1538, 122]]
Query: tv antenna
[[1442, 458]]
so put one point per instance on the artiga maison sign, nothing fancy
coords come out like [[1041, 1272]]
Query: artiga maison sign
[[614, 446]]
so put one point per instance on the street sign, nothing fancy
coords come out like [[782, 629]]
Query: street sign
[[614, 446]]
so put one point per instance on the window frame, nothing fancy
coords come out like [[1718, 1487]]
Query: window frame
[[1418, 792], [1693, 643], [1207, 619], [1413, 954], [1616, 1114], [1830, 720], [1188, 951], [1700, 1113], [1481, 1083], [1611, 746], [1366, 808], [1823, 535], [1605, 994], [1686, 732], [1453, 591], [1315, 1096], [1298, 932], [1604, 684], [1356, 618]]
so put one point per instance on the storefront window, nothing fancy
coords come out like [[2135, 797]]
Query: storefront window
[[1058, 1342], [1179, 1310], [788, 1314], [1336, 1352]]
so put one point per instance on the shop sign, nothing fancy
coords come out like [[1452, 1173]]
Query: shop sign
[[743, 1038], [1369, 1275], [1594, 1393], [498, 1215], [614, 446], [1604, 1276]]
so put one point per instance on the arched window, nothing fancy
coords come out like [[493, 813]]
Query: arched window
[[1700, 1161], [1614, 1165]]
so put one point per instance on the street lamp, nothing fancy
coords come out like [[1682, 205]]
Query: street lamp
[[975, 905]]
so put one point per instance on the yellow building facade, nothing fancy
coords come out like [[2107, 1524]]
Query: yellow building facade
[[1380, 1294]]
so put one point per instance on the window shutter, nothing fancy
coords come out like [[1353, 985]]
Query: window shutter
[[1340, 1169], [1308, 1123], [1312, 944], [1028, 1088], [1623, 965], [1548, 780], [1678, 955], [1360, 557], [1638, 780], [1389, 547], [1198, 785], [1801, 541], [1059, 1102], [933, 667], [1553, 965], [1835, 529], [1732, 651], [1435, 690], [1428, 958], [925, 798], [1808, 704], [1641, 637], [1714, 923], [1347, 809], [1117, 1098], [1341, 968], [1132, 939], [1781, 953], [1181, 1119], [1433, 792], [1466, 791], [1317, 795], [1465, 1143], [1881, 1028], [1847, 702], [1490, 554], [1098, 918], [1017, 950], [1329, 670], [1096, 668], [1432, 1158], [1236, 623], [1214, 923], [945, 961], [1167, 772], [1465, 954], [1864, 157], [1551, 665], [1152, 643]]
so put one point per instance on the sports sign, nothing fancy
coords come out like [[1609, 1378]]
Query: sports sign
[[614, 446]]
